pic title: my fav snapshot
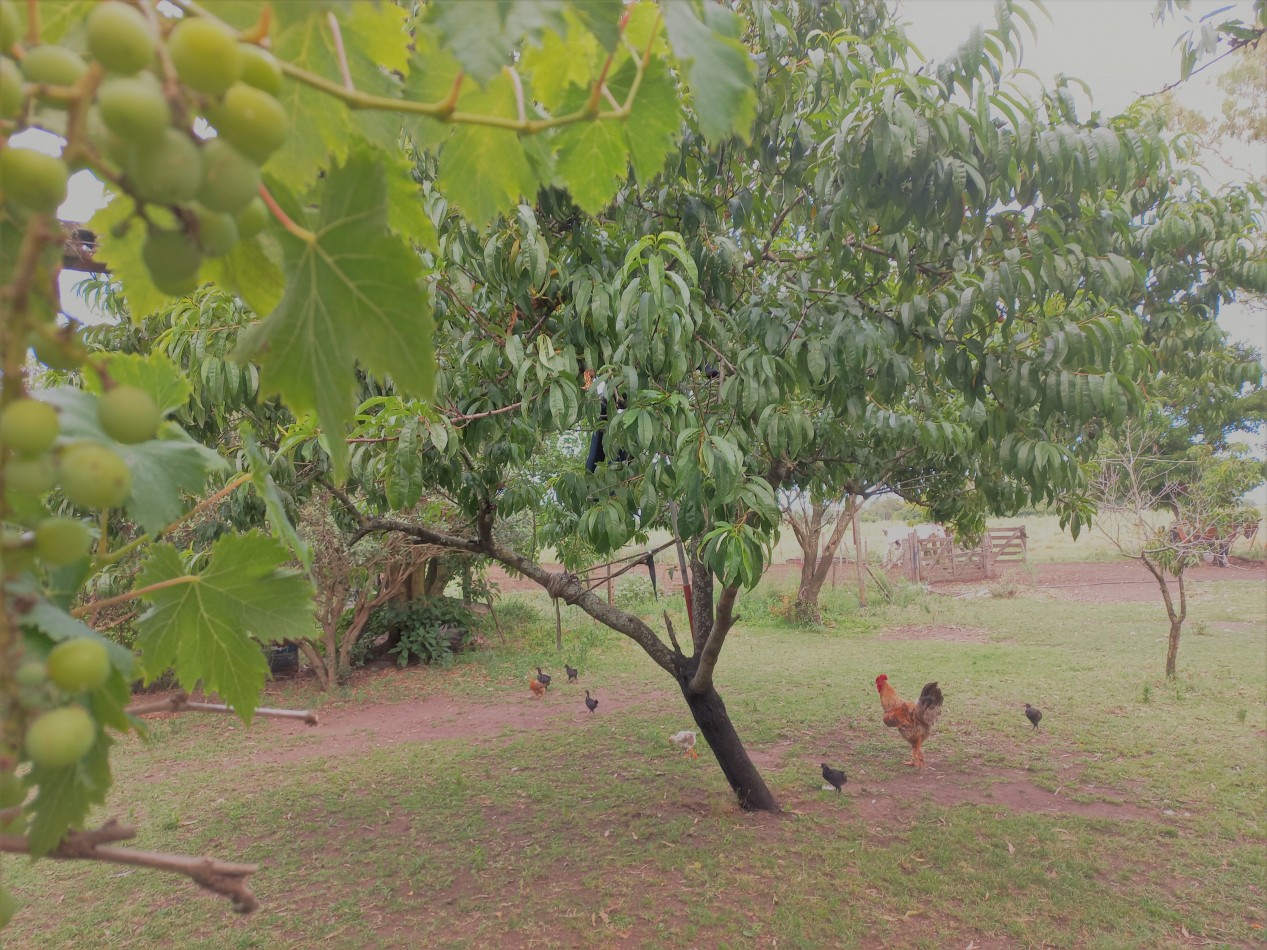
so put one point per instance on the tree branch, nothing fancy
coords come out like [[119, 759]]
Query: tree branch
[[563, 586], [723, 620], [180, 702], [219, 877]]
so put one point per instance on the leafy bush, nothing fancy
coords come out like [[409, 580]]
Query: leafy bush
[[422, 628], [634, 593]]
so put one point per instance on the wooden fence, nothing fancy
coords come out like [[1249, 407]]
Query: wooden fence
[[934, 560]]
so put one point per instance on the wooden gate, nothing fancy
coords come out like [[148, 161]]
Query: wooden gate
[[934, 560]]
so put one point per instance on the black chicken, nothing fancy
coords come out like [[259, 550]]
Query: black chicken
[[571, 672], [1033, 714], [590, 703], [543, 678], [835, 776]]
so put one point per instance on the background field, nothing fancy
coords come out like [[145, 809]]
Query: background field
[[448, 808]]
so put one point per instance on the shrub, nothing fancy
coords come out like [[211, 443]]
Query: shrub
[[429, 629]]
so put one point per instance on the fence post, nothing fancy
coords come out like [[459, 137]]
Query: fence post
[[857, 548]]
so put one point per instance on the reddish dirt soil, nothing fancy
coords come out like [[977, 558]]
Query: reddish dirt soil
[[1105, 582], [358, 728]]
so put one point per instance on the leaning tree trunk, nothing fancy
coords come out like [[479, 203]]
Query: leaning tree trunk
[[716, 728], [1177, 615]]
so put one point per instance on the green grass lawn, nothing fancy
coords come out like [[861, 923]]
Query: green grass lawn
[[1132, 818]]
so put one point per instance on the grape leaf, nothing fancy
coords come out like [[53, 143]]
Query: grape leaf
[[119, 247], [373, 41], [67, 794], [58, 625], [560, 64], [655, 120], [718, 69], [602, 18], [352, 293], [210, 627], [483, 36], [593, 162], [479, 187], [406, 210], [163, 469], [266, 488], [251, 273], [156, 374]]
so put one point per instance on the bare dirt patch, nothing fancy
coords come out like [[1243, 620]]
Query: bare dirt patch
[[1113, 582], [918, 631], [357, 729]]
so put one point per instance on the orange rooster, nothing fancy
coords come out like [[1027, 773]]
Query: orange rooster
[[538, 689], [913, 720]]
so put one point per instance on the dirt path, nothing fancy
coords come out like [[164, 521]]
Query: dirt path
[[356, 729]]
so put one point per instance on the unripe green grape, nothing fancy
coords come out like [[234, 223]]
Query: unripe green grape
[[33, 180], [61, 737], [253, 121], [12, 791], [253, 218], [217, 233], [93, 476], [230, 179], [205, 55], [51, 65], [28, 426], [30, 673], [134, 108], [128, 414], [120, 37], [260, 68], [79, 664], [169, 170], [10, 25], [59, 350], [172, 260], [62, 541], [29, 477], [8, 906], [11, 94]]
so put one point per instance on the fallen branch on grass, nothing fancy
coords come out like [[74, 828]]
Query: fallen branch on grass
[[180, 702], [219, 877]]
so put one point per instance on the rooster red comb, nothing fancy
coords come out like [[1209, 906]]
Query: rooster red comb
[[881, 680]]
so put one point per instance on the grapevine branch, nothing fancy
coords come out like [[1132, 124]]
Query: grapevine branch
[[180, 702], [219, 877], [444, 110], [133, 594]]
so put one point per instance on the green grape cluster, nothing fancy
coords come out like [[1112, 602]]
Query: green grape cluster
[[35, 459], [139, 83]]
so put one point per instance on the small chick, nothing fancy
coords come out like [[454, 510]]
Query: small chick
[[1033, 714], [590, 703], [543, 678], [537, 689], [836, 777], [685, 740], [571, 672]]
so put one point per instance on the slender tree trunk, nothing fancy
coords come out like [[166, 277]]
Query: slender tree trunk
[[716, 728], [1177, 615], [817, 563]]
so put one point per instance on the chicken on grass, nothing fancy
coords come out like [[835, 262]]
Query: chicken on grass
[[571, 672], [685, 740], [590, 703], [1033, 714], [543, 678], [836, 777], [914, 721], [537, 689]]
